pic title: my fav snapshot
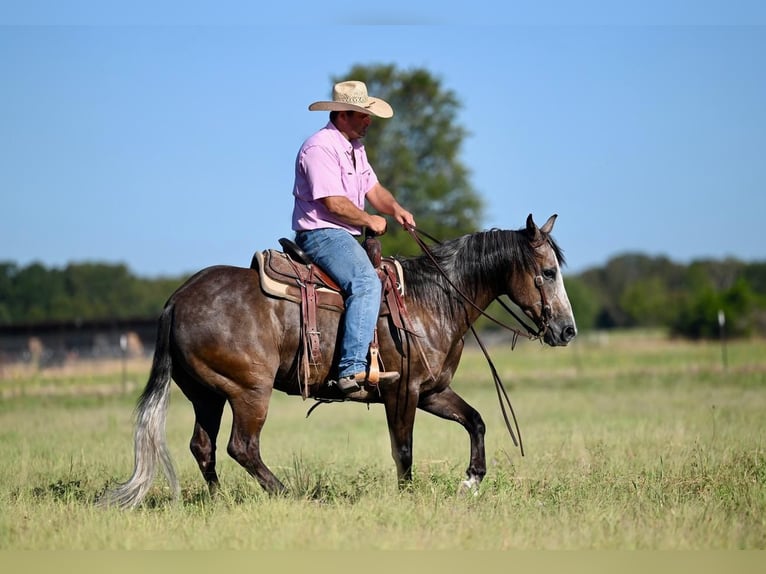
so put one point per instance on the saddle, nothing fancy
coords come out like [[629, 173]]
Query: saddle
[[291, 275]]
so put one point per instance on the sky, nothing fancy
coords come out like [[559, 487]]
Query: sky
[[163, 136]]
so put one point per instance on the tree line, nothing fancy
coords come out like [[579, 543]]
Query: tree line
[[696, 301], [630, 291], [84, 291]]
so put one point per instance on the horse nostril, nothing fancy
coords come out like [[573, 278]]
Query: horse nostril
[[569, 333]]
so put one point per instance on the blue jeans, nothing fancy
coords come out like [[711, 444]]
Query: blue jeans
[[345, 260]]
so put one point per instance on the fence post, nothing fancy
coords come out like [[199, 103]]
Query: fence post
[[722, 332], [124, 349]]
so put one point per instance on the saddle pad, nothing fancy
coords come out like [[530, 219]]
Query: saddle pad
[[279, 284]]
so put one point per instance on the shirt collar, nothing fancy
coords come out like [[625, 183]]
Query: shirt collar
[[348, 145]]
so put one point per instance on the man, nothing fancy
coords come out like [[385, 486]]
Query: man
[[333, 179]]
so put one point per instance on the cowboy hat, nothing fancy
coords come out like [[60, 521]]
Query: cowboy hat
[[352, 96]]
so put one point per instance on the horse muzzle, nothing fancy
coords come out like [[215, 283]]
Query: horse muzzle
[[559, 335]]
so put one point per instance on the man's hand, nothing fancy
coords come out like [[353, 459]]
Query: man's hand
[[382, 200], [404, 217], [377, 224]]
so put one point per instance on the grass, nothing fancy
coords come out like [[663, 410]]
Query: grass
[[631, 441]]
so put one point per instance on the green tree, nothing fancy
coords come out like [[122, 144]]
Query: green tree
[[8, 272], [34, 289], [97, 290], [81, 291], [755, 274], [740, 303], [584, 303], [416, 154], [635, 290], [647, 302], [697, 316]]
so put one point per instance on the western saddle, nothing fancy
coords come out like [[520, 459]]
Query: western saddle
[[291, 275]]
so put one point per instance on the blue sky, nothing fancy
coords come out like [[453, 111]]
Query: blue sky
[[165, 140]]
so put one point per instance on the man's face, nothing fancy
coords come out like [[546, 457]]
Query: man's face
[[356, 124]]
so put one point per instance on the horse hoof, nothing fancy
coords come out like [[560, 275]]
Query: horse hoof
[[469, 486]]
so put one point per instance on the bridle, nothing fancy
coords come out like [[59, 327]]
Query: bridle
[[531, 334], [546, 311]]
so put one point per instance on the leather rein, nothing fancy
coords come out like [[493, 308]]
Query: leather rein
[[531, 334]]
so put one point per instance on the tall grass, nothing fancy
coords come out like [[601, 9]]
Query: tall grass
[[630, 442]]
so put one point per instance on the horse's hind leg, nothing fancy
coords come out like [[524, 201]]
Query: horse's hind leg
[[249, 410], [208, 410], [451, 406], [208, 415]]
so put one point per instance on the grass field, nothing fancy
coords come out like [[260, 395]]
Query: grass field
[[631, 441]]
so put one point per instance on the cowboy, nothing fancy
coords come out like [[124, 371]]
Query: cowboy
[[333, 179]]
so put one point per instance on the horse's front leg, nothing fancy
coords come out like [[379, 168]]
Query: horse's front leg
[[400, 414], [447, 404]]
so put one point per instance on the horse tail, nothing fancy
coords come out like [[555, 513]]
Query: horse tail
[[149, 434]]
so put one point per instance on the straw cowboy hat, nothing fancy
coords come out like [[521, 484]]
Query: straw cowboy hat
[[352, 96]]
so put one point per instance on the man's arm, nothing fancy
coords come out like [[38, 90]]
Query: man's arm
[[382, 200], [342, 208]]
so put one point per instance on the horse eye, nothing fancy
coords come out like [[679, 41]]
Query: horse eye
[[549, 273]]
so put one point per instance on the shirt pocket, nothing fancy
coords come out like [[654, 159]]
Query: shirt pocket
[[353, 188]]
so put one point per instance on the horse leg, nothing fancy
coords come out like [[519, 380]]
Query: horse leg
[[208, 415], [208, 410], [400, 415], [447, 404], [249, 410]]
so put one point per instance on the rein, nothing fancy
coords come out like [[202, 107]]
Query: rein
[[502, 395]]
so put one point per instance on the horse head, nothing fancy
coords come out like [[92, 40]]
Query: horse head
[[541, 293]]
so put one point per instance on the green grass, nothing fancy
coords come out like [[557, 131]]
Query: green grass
[[631, 442]]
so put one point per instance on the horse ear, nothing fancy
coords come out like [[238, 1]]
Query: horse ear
[[531, 225], [533, 231], [548, 227]]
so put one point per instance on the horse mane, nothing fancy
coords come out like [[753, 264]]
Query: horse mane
[[472, 262]]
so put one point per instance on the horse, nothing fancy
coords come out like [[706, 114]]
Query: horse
[[222, 339]]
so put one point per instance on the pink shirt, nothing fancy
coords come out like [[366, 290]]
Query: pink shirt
[[324, 168]]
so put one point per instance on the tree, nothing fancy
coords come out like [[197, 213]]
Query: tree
[[84, 291], [34, 289], [647, 302], [96, 290], [635, 290], [416, 153], [583, 301], [8, 271]]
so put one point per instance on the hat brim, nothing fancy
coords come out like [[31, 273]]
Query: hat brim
[[376, 107]]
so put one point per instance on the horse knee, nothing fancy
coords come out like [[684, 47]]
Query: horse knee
[[478, 423]]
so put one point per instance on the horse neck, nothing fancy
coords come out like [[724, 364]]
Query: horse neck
[[476, 265]]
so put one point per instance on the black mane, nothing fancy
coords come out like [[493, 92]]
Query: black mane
[[473, 263]]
